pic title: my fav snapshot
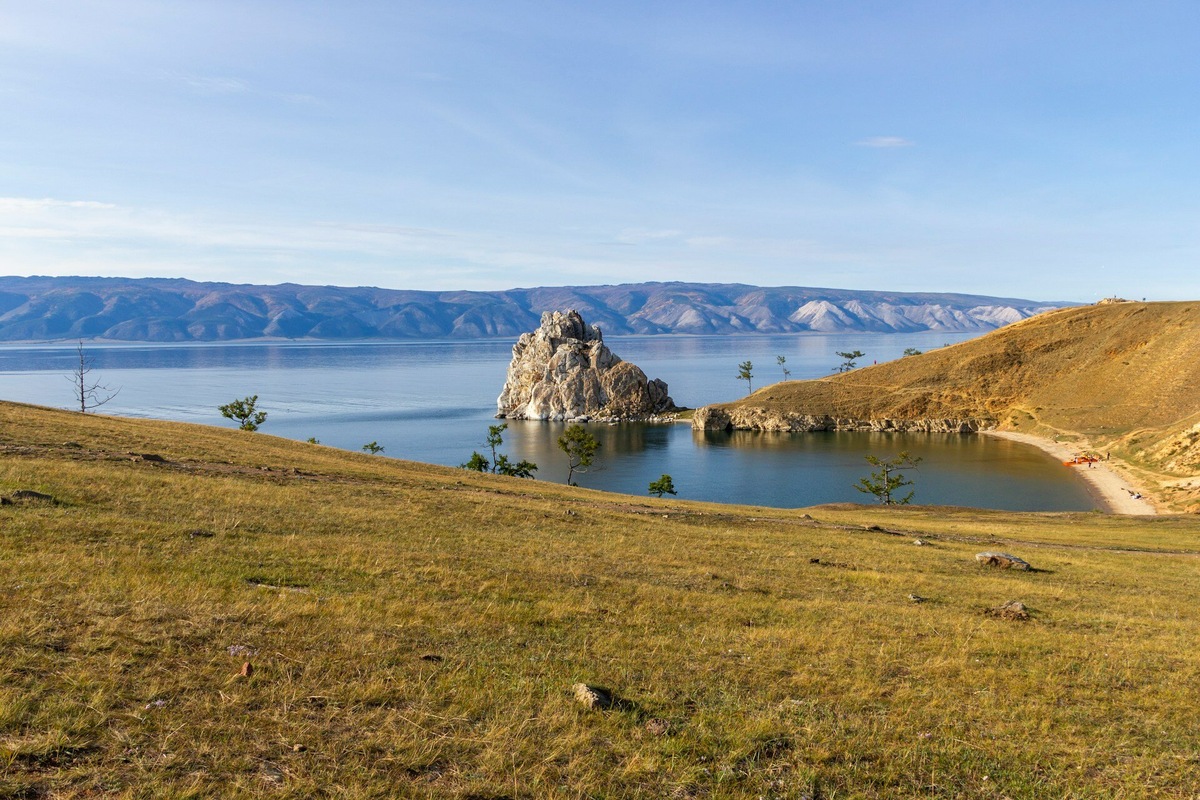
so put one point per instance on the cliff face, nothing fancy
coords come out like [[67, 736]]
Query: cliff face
[[722, 418], [564, 371]]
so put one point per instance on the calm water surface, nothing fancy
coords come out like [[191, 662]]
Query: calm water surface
[[433, 402]]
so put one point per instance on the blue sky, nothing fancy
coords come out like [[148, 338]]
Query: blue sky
[[1045, 150]]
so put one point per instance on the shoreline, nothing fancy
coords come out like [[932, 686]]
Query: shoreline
[[1102, 481]]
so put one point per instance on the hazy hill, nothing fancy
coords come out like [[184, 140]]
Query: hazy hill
[[1123, 374], [176, 310]]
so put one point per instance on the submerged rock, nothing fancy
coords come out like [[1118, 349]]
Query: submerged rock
[[564, 371]]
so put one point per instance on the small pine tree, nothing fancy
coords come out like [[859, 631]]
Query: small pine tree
[[580, 447], [499, 463], [781, 361], [663, 485], [477, 462], [244, 413], [521, 469], [374, 448], [850, 356], [889, 478], [746, 373]]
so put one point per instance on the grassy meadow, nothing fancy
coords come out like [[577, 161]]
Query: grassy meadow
[[415, 631]]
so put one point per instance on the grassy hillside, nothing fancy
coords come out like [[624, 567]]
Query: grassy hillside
[[1121, 377], [415, 631]]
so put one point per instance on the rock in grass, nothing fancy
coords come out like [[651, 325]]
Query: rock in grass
[[657, 726], [592, 696], [29, 494], [1002, 561], [1012, 610]]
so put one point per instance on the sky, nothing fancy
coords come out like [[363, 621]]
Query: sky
[[1045, 150]]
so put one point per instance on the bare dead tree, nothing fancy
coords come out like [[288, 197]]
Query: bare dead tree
[[90, 393]]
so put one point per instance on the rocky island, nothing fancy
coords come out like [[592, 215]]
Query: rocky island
[[564, 371]]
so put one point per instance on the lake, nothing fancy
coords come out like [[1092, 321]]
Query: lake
[[433, 401]]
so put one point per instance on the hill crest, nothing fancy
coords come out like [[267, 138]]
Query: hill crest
[[178, 310], [1121, 376]]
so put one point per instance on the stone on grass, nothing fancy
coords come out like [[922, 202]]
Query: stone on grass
[[29, 494], [1002, 561], [657, 726], [1012, 610], [592, 696]]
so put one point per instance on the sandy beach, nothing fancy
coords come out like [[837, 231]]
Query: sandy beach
[[1112, 489]]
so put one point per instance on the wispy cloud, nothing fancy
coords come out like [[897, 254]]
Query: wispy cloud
[[884, 142], [643, 236], [27, 205], [209, 85], [227, 86]]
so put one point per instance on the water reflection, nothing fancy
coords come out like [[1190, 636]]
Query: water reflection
[[434, 401]]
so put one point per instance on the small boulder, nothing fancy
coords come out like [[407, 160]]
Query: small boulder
[[592, 696], [1013, 610], [29, 494], [657, 726], [1002, 561]]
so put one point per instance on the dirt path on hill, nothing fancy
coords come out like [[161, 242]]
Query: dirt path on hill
[[1112, 489]]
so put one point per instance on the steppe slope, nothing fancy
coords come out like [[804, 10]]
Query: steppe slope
[[414, 631], [1120, 377]]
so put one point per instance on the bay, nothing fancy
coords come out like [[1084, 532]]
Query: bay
[[432, 401]]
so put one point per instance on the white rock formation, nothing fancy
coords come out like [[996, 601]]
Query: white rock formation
[[564, 371]]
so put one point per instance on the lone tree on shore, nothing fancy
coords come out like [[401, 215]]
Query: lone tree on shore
[[851, 356], [88, 393], [243, 412], [781, 361], [500, 464], [663, 485], [580, 447], [889, 478], [746, 373]]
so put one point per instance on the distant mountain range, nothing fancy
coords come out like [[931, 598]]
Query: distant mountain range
[[178, 310]]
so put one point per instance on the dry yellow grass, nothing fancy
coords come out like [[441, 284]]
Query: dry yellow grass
[[1118, 377], [415, 632]]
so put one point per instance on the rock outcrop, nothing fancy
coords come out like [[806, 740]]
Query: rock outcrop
[[721, 418], [564, 371]]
